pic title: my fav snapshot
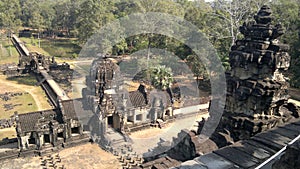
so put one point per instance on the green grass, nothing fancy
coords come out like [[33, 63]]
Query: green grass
[[8, 133], [33, 97], [27, 80], [21, 104], [60, 47], [32, 45], [8, 53]]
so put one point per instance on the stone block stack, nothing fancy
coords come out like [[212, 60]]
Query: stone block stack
[[257, 88]]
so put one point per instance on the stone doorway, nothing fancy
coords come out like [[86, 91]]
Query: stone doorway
[[113, 121], [46, 138], [110, 121]]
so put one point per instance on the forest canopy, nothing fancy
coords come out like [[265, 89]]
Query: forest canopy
[[219, 20]]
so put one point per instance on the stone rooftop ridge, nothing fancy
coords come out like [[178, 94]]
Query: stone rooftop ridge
[[29, 122], [68, 109]]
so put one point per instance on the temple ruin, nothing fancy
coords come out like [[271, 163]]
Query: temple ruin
[[43, 132], [118, 108], [257, 97]]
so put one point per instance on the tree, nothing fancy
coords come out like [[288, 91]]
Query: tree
[[92, 15], [10, 12], [196, 67], [164, 6], [9, 17], [233, 13], [287, 13], [161, 77], [66, 13]]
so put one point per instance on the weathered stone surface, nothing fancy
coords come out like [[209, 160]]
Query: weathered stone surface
[[238, 157], [256, 87], [214, 161], [285, 132], [291, 158], [272, 139], [268, 143], [260, 145], [293, 127], [252, 150], [191, 164]]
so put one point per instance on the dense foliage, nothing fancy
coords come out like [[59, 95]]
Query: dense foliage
[[219, 20]]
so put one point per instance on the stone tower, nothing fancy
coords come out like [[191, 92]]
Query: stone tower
[[257, 89]]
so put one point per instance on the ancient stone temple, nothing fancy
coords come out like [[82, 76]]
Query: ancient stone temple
[[257, 97], [119, 108], [42, 131]]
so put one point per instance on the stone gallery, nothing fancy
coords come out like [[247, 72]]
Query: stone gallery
[[49, 128]]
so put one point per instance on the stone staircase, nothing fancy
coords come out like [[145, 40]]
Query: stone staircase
[[51, 162], [121, 146]]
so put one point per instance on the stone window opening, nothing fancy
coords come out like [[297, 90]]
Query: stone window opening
[[75, 130], [60, 135], [167, 113], [31, 140], [139, 117], [130, 119], [110, 120]]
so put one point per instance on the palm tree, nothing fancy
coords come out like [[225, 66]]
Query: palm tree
[[161, 77]]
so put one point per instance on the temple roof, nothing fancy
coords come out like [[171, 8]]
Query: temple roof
[[69, 109], [28, 122], [137, 99]]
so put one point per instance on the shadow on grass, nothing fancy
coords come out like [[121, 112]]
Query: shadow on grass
[[26, 80]]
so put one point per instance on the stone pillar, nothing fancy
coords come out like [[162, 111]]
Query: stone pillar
[[41, 138], [134, 117], [144, 116], [53, 137], [38, 141], [80, 128], [20, 145]]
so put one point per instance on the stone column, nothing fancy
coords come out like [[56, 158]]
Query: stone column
[[38, 141]]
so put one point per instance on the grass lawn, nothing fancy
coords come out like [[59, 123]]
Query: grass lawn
[[33, 97], [21, 104], [8, 132], [59, 47], [8, 53]]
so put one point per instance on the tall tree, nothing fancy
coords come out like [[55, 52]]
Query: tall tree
[[9, 17], [92, 15], [66, 15], [233, 13], [10, 12], [287, 12], [196, 67]]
